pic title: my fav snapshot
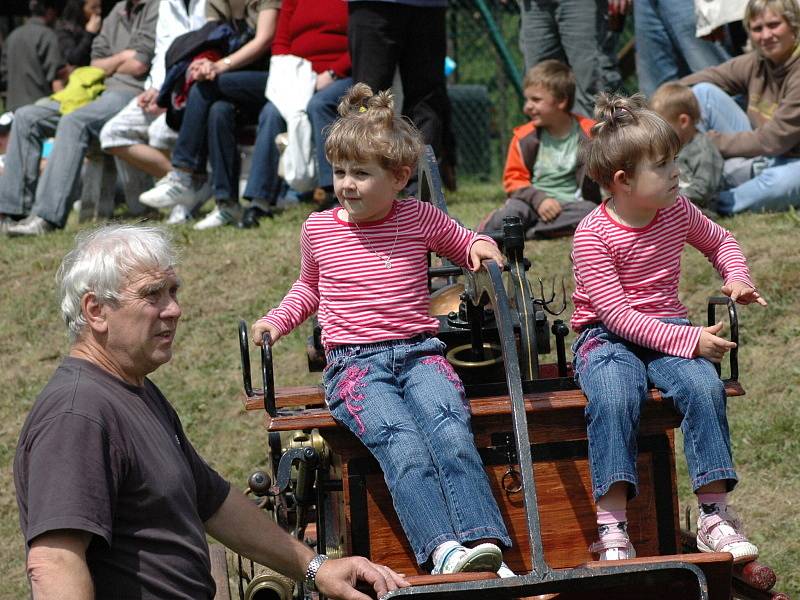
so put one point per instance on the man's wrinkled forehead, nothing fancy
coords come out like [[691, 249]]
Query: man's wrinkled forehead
[[147, 281]]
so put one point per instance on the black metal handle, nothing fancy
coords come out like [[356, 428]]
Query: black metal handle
[[244, 352], [267, 375], [733, 319]]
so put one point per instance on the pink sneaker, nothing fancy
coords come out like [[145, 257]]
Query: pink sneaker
[[614, 543], [721, 531]]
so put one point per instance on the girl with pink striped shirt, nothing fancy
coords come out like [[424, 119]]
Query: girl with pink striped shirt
[[633, 331], [364, 271]]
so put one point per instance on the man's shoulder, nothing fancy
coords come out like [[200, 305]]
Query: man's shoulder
[[76, 388]]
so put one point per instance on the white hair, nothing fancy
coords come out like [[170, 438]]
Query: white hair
[[102, 260]]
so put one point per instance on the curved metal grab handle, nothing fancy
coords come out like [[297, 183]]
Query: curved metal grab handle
[[267, 375], [733, 319], [244, 352], [266, 369]]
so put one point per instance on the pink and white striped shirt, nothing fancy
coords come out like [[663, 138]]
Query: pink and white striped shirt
[[627, 278], [344, 278]]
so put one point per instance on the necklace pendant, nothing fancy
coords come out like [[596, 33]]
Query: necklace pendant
[[387, 263]]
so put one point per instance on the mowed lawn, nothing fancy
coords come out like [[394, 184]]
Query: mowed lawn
[[230, 274]]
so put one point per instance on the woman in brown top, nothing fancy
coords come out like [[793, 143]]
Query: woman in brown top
[[762, 145]]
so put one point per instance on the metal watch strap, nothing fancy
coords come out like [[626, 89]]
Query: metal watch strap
[[310, 579]]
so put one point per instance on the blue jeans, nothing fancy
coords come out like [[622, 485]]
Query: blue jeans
[[614, 374], [208, 131], [263, 182], [406, 404], [775, 186], [666, 45], [574, 32]]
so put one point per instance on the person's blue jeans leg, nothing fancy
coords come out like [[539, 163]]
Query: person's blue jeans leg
[[244, 88], [376, 390], [32, 125], [718, 110], [775, 188], [698, 394], [695, 53], [60, 183], [614, 380], [434, 394], [656, 60], [666, 45], [264, 182], [322, 112], [223, 153]]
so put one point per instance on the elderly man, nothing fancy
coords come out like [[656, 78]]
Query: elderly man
[[114, 501]]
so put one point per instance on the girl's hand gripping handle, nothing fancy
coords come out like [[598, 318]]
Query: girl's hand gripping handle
[[261, 327], [711, 346]]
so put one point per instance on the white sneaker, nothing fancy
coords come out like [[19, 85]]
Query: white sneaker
[[29, 226], [169, 191], [458, 559], [721, 531], [179, 215], [219, 217]]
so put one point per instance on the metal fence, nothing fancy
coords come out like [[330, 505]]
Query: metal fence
[[484, 86]]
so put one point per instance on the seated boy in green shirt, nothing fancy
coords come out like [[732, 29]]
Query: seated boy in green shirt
[[544, 177]]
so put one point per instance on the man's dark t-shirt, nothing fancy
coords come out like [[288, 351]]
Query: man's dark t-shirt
[[99, 455]]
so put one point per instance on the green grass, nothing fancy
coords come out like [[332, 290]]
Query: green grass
[[230, 274]]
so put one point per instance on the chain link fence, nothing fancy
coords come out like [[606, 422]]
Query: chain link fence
[[484, 85]]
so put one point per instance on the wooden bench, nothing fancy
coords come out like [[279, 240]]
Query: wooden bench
[[367, 525]]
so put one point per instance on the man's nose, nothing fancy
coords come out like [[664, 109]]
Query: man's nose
[[172, 310]]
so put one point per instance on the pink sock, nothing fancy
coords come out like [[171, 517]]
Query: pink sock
[[610, 517], [718, 498]]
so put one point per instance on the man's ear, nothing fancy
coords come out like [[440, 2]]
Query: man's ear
[[401, 177], [94, 312]]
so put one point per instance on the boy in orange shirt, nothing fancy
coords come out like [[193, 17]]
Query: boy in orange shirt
[[544, 177]]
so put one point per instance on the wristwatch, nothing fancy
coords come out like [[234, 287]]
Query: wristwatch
[[333, 74], [227, 61], [310, 580]]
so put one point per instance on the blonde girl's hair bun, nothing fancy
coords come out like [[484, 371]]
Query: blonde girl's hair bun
[[368, 128], [626, 132]]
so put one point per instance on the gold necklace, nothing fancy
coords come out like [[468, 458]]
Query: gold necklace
[[387, 262]]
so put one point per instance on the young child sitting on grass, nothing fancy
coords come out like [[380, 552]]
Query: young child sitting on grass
[[544, 177], [633, 331], [699, 160], [364, 271]]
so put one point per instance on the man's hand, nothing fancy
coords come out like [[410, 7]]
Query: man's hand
[[549, 209], [481, 250], [711, 346], [261, 327], [337, 578], [741, 293]]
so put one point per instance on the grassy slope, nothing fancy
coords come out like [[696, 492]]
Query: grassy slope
[[230, 274]]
